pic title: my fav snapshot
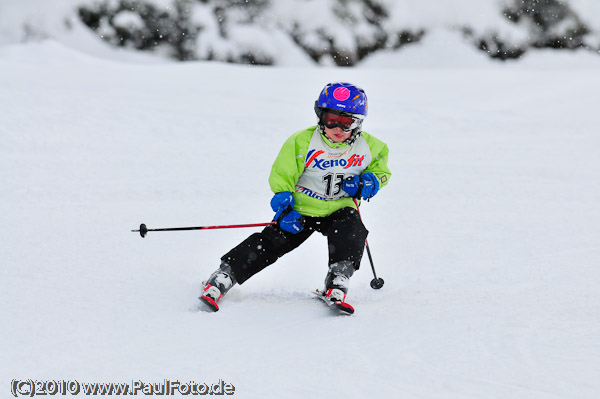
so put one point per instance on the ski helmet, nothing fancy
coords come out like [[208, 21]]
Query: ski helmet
[[345, 100]]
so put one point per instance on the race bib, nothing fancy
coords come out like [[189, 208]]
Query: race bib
[[327, 168]]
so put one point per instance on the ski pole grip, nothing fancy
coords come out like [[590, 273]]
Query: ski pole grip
[[360, 187]]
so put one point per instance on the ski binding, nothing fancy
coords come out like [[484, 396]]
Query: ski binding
[[341, 306]]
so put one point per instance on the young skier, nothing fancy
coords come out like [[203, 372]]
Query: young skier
[[315, 177]]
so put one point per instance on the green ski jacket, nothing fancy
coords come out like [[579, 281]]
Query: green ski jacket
[[313, 169]]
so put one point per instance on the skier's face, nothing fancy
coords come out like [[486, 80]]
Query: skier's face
[[336, 134], [339, 126]]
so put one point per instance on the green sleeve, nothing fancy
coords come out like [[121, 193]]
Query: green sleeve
[[378, 165], [289, 164]]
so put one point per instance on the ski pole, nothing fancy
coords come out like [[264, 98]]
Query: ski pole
[[143, 230], [376, 283]]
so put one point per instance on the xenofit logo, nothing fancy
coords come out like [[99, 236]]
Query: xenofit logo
[[312, 159]]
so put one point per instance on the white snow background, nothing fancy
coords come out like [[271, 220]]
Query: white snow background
[[487, 235]]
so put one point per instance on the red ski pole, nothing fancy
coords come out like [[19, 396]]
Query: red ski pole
[[143, 230]]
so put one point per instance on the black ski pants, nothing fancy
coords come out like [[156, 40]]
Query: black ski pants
[[345, 232]]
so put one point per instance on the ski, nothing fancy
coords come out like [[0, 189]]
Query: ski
[[210, 303], [339, 306]]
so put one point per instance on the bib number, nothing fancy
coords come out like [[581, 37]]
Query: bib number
[[333, 183]]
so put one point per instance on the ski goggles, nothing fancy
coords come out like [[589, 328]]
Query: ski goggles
[[346, 122]]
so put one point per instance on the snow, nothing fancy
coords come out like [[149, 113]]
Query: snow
[[268, 35], [126, 19], [487, 235], [444, 49]]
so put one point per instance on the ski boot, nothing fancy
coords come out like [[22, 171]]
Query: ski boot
[[217, 285], [336, 286]]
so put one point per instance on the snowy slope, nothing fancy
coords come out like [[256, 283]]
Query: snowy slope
[[487, 235]]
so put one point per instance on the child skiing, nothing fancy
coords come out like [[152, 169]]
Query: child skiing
[[316, 176]]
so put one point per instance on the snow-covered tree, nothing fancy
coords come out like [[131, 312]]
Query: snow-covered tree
[[328, 32]]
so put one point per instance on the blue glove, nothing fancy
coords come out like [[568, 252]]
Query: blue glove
[[370, 185], [288, 219], [292, 222], [351, 185], [280, 202], [365, 186]]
